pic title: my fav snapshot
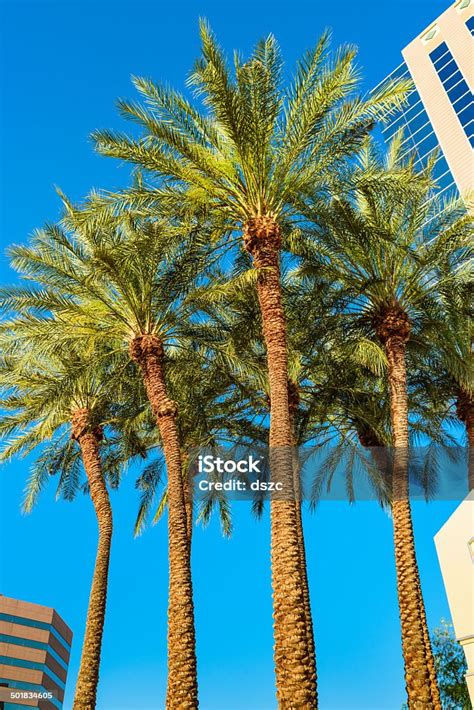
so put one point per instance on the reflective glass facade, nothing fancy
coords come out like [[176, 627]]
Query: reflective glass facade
[[455, 86], [438, 120], [419, 135]]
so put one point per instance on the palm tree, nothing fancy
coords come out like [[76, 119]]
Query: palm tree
[[117, 283], [387, 246], [240, 352], [358, 411], [344, 401], [254, 158], [60, 403], [211, 414], [454, 362]]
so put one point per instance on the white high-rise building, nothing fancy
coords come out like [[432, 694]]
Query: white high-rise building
[[440, 111], [455, 548]]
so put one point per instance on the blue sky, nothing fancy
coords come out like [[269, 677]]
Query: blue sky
[[63, 65]]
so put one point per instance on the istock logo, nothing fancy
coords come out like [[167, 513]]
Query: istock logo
[[211, 464]]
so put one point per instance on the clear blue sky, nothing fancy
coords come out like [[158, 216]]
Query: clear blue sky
[[63, 64]]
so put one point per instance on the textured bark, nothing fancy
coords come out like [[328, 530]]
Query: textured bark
[[368, 438], [294, 667], [465, 412], [293, 404], [189, 522], [435, 695], [182, 692], [188, 498], [88, 439], [306, 598], [393, 329]]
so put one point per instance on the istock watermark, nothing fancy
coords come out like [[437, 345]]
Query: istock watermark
[[348, 472], [211, 464], [233, 474]]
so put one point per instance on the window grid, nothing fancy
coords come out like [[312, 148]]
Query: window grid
[[447, 63], [402, 115], [392, 76], [437, 193], [20, 620], [6, 638], [33, 665], [403, 118], [435, 61], [464, 116], [416, 145], [417, 130], [416, 125], [461, 97]]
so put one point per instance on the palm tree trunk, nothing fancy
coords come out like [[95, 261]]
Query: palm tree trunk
[[369, 439], [293, 400], [428, 650], [465, 412], [188, 498], [294, 667], [305, 584], [422, 689], [147, 352], [88, 678]]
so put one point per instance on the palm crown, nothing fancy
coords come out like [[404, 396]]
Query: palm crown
[[79, 406], [390, 243], [106, 282], [40, 394], [258, 147]]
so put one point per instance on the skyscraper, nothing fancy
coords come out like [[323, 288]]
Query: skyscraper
[[439, 116], [35, 644]]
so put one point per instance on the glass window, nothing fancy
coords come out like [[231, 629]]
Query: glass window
[[32, 665], [6, 638], [462, 102], [413, 100], [453, 80], [455, 86], [443, 59], [444, 180], [440, 166], [36, 625], [400, 118], [439, 51], [426, 144], [458, 90], [419, 124], [466, 114], [470, 129], [393, 125], [446, 69]]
